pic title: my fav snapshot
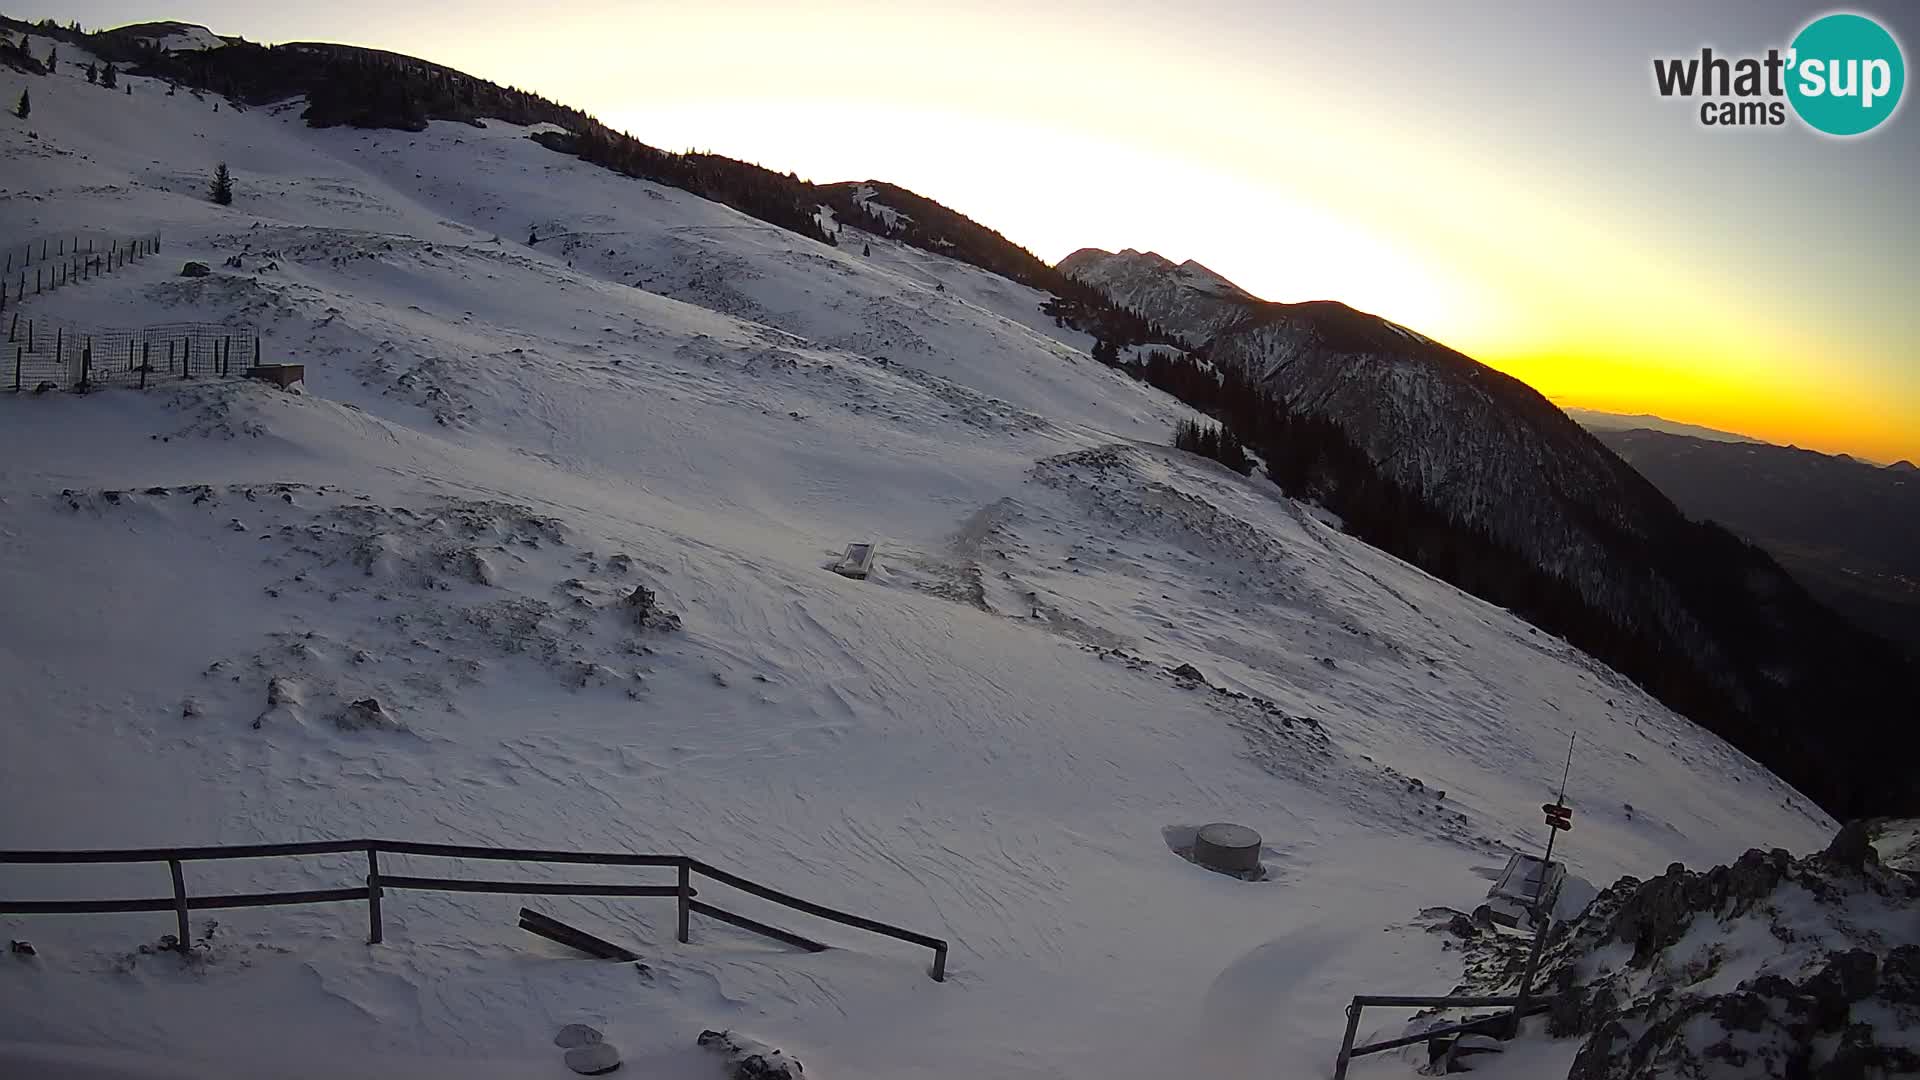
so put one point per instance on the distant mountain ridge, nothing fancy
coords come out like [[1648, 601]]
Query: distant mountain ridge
[[1187, 299], [1849, 529], [1497, 472], [1598, 421]]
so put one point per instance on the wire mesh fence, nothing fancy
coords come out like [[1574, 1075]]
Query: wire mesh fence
[[44, 354], [44, 264]]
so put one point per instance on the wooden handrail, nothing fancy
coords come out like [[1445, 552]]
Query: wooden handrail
[[377, 882]]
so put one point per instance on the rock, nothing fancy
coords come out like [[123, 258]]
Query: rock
[[593, 1059], [195, 269], [1900, 976], [282, 692], [364, 714], [1188, 673], [751, 1059], [1852, 846], [21, 948], [575, 1035]]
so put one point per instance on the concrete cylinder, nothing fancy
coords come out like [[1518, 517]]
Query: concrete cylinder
[[1230, 849]]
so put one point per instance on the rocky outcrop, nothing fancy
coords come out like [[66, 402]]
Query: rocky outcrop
[[1769, 967]]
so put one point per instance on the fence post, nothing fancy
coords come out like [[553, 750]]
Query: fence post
[[256, 348], [86, 366], [940, 963], [1346, 1044], [146, 361], [373, 896], [179, 901], [16, 369], [686, 898]]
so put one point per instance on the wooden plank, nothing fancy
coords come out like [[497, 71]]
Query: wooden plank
[[554, 930], [756, 926], [276, 899], [499, 854], [527, 888], [83, 907], [185, 854], [794, 902]]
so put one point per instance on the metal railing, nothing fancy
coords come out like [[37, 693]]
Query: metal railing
[[181, 902]]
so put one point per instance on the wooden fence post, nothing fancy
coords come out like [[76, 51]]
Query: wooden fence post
[[146, 361], [179, 901], [685, 898], [374, 928], [256, 348], [16, 368]]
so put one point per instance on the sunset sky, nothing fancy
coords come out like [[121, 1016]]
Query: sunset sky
[[1504, 178]]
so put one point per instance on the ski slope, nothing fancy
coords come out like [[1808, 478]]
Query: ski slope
[[984, 741]]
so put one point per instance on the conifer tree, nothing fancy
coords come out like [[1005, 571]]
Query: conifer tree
[[53, 57], [109, 78], [25, 107], [222, 191], [866, 249], [93, 73]]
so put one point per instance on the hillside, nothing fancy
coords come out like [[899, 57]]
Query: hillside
[[1848, 529], [1077, 642], [1476, 477]]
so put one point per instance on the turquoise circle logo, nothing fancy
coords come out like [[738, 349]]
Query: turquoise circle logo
[[1846, 74]]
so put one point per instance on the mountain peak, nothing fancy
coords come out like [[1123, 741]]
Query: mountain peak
[[1904, 466]]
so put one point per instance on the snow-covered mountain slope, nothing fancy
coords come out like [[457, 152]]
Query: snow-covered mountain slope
[[1185, 298], [989, 740]]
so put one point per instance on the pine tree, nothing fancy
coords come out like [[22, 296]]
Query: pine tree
[[53, 57], [109, 78], [93, 73], [222, 185], [866, 249], [25, 107]]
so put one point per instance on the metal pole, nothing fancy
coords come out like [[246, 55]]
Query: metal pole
[[179, 901], [940, 964], [374, 934]]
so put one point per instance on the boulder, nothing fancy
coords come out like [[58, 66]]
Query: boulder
[[195, 269], [364, 714], [750, 1059], [1852, 847]]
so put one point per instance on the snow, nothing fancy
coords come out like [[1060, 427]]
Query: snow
[[982, 741], [869, 199], [189, 39]]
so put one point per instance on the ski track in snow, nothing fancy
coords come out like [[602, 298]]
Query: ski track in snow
[[982, 741]]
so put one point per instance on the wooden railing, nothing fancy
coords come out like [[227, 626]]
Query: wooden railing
[[682, 890], [1507, 1022]]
